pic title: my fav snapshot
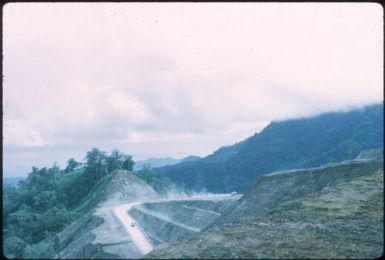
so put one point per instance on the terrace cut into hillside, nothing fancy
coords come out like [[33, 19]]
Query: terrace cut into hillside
[[335, 211]]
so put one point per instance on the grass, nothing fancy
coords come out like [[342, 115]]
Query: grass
[[355, 198], [96, 195]]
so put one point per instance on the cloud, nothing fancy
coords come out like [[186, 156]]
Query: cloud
[[119, 74]]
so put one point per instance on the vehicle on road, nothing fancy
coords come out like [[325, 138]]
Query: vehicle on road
[[132, 224]]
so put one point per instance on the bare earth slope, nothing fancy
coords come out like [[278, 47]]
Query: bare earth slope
[[99, 233], [335, 211], [131, 218]]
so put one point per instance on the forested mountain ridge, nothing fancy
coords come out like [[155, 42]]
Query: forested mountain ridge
[[155, 162], [296, 143], [160, 162]]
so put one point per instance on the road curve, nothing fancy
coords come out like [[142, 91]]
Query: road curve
[[135, 233]]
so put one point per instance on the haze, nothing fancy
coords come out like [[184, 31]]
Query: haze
[[176, 79]]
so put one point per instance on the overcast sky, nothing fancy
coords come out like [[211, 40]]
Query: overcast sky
[[176, 79]]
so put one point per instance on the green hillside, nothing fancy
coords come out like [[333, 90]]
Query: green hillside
[[155, 162], [49, 199], [298, 143]]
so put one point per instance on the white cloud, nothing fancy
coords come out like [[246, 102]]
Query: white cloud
[[113, 74], [128, 107], [19, 134]]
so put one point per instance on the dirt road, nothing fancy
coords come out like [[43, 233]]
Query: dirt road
[[134, 231]]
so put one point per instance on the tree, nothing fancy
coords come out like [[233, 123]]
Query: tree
[[115, 160], [96, 164], [24, 223], [14, 247], [45, 200], [54, 219], [72, 164], [96, 168], [42, 250], [160, 184], [96, 158], [128, 163], [11, 200], [119, 160]]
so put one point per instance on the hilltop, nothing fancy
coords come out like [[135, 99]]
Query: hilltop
[[94, 229]]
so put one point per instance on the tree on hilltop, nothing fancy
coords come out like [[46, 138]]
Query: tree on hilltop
[[72, 164]]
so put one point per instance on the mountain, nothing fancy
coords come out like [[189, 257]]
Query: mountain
[[160, 162], [190, 158], [155, 162], [296, 143], [329, 212]]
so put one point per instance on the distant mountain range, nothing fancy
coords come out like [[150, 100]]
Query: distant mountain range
[[298, 143], [159, 162]]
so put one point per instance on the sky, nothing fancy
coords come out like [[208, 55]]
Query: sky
[[176, 79]]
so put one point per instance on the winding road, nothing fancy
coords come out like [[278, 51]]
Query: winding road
[[135, 232], [137, 236]]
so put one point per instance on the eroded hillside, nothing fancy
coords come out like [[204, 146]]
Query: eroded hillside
[[335, 211], [127, 208], [168, 221], [98, 234]]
